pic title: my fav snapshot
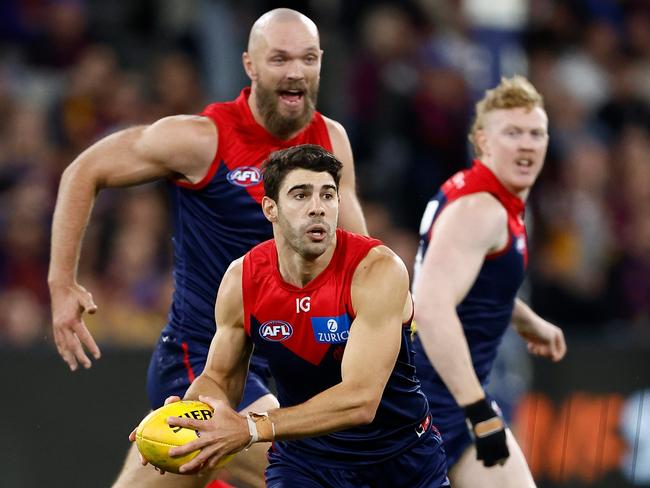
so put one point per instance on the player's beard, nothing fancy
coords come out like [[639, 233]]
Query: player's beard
[[297, 240], [267, 101]]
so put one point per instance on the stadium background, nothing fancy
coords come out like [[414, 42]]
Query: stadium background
[[402, 77]]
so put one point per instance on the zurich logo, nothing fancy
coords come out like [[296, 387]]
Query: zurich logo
[[245, 176], [331, 330], [275, 330], [332, 326]]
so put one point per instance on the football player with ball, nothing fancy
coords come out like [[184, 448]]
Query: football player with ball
[[331, 311]]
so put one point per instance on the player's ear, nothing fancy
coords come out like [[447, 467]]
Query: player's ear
[[270, 209], [248, 66], [481, 141]]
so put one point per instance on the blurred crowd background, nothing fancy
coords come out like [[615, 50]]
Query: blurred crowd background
[[402, 77]]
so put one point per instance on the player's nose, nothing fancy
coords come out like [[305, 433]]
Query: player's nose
[[295, 70], [316, 208]]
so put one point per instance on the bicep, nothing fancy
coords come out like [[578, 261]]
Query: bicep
[[375, 336], [447, 271], [181, 146], [461, 239]]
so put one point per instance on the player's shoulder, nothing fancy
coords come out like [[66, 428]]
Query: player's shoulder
[[181, 128], [184, 121], [186, 144], [333, 124], [334, 128], [381, 273], [231, 283], [477, 219], [476, 207], [380, 262], [235, 270]]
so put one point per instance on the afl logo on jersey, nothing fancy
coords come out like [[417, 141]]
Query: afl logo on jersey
[[275, 330], [245, 176]]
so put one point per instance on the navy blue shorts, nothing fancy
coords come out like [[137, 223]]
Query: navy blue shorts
[[456, 438], [422, 466], [176, 362]]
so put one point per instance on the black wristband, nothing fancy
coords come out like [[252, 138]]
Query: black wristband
[[479, 411], [489, 433]]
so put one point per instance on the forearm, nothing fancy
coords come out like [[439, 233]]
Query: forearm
[[227, 390], [76, 197], [446, 347], [103, 164], [523, 318], [337, 408], [206, 386]]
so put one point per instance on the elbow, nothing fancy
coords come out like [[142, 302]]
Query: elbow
[[429, 312], [70, 173], [366, 410], [423, 317], [80, 175], [368, 415]]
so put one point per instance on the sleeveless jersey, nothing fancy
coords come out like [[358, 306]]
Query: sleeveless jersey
[[218, 219], [302, 332], [486, 311]]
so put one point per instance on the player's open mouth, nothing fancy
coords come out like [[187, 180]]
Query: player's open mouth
[[291, 97], [317, 232], [524, 163]]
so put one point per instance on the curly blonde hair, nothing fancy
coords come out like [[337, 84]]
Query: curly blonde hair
[[512, 92]]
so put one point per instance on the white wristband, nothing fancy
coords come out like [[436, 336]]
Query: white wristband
[[252, 431]]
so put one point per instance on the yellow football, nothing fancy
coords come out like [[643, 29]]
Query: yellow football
[[154, 436]]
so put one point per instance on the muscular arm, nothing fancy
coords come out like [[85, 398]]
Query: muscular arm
[[227, 365], [466, 231], [181, 146], [350, 216]]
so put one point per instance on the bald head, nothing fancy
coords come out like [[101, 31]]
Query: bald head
[[279, 17], [283, 62]]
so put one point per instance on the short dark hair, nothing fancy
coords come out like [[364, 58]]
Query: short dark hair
[[305, 156]]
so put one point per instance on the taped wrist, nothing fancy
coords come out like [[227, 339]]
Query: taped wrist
[[260, 428], [252, 431]]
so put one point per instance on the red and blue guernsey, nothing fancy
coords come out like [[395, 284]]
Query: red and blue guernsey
[[303, 333], [486, 310], [215, 221]]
